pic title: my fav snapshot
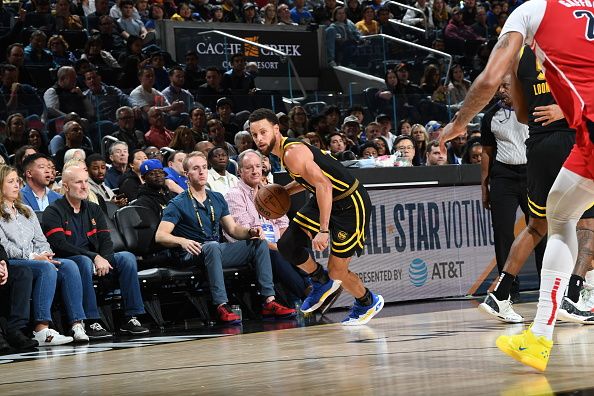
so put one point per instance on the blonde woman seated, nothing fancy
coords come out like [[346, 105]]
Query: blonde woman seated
[[25, 245]]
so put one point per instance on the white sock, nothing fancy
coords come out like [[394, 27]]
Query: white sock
[[552, 290], [590, 277]]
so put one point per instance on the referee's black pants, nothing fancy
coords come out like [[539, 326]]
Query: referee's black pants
[[507, 187]]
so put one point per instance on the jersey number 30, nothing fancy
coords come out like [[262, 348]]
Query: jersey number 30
[[589, 15]]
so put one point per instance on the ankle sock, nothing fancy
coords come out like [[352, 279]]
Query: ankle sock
[[503, 287], [366, 299], [575, 286], [319, 275]]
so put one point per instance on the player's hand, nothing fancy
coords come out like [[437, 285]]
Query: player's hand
[[102, 266], [486, 197], [450, 132], [192, 247], [3, 273], [320, 241], [548, 114]]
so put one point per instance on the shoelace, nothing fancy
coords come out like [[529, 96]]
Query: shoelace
[[96, 327], [134, 321]]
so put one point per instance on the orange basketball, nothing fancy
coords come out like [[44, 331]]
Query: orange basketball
[[272, 201]]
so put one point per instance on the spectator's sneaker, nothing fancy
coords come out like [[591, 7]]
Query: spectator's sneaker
[[575, 312], [50, 337], [20, 342], [134, 327], [500, 310], [527, 349], [273, 309], [360, 314], [319, 294], [330, 301], [96, 332], [226, 315], [78, 333]]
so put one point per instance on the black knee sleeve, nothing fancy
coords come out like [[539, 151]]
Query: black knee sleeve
[[293, 245]]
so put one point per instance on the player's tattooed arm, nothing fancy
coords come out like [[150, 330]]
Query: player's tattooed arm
[[486, 84]]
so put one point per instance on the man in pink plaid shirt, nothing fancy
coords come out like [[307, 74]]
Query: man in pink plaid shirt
[[241, 206]]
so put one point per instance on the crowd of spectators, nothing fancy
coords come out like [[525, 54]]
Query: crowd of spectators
[[87, 95]]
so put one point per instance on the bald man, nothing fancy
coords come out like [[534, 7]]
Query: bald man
[[77, 229]]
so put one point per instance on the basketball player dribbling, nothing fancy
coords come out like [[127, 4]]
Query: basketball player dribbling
[[339, 206], [562, 35]]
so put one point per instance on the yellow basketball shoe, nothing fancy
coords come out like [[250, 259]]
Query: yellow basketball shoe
[[527, 348]]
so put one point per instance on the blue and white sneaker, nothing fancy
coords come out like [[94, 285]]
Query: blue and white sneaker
[[360, 315], [319, 294]]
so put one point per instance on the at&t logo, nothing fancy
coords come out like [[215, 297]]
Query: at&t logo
[[417, 272]]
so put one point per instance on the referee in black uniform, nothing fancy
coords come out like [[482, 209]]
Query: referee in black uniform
[[504, 175], [547, 147]]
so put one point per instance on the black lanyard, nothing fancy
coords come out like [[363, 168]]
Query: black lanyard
[[211, 213]]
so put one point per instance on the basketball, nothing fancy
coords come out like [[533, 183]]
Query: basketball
[[272, 201]]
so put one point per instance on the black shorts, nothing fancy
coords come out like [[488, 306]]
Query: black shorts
[[546, 154], [349, 222]]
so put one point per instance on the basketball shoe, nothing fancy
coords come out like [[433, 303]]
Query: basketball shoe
[[527, 348], [360, 314], [319, 293], [500, 310], [576, 312]]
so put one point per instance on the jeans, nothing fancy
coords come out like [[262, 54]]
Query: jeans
[[126, 270], [237, 254], [19, 286], [288, 275], [45, 278]]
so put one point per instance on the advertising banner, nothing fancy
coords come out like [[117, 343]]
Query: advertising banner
[[424, 243], [216, 50]]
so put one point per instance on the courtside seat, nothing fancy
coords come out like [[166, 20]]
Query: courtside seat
[[159, 272]]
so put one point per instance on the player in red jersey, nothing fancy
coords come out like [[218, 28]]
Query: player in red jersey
[[562, 35]]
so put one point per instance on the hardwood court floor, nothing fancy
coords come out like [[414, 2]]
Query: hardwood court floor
[[446, 352]]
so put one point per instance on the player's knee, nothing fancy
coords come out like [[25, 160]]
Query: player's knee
[[292, 245]]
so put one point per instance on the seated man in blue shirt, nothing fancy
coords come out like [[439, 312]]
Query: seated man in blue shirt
[[37, 174], [175, 180], [192, 220]]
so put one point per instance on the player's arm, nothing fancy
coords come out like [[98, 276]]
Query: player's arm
[[240, 232], [294, 188], [484, 87], [517, 93], [300, 160]]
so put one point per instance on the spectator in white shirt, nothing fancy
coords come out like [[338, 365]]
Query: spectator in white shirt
[[219, 179]]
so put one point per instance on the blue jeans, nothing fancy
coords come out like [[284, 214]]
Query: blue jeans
[[45, 278], [126, 270], [294, 282], [237, 254]]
